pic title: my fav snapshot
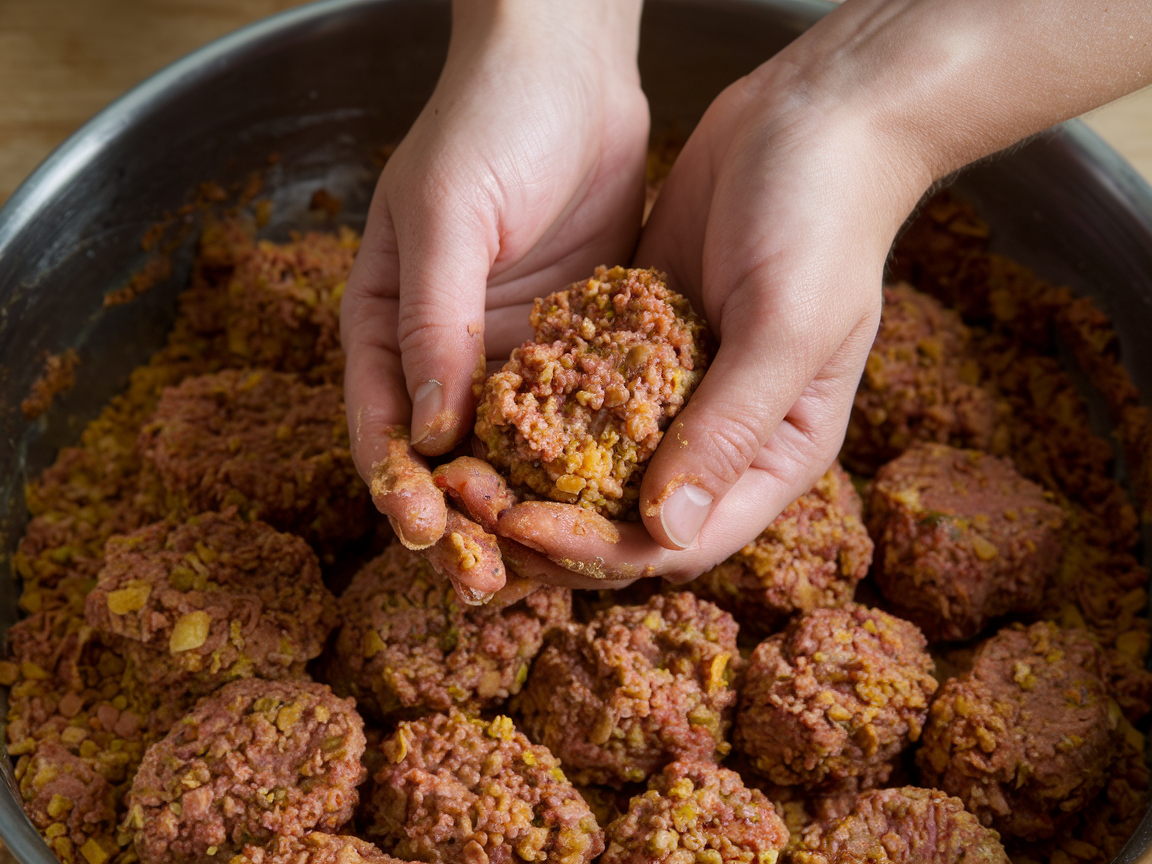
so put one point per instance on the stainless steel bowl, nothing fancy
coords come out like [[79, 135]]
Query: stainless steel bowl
[[324, 86]]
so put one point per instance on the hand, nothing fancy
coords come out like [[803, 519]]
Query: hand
[[524, 171], [776, 221]]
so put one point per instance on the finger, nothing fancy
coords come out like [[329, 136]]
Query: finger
[[515, 589], [446, 247], [582, 541], [800, 450], [532, 565], [476, 487], [375, 396], [470, 558], [752, 381], [401, 485], [548, 529]]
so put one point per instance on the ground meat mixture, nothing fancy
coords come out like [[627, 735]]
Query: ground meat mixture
[[80, 717], [836, 696], [811, 556], [1029, 734], [408, 646], [314, 848], [59, 376], [454, 788], [921, 383], [575, 414], [696, 813], [903, 826], [961, 538], [263, 442], [70, 692], [197, 604], [283, 305], [255, 759], [68, 800], [635, 688]]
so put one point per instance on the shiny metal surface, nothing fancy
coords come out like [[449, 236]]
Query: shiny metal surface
[[326, 85]]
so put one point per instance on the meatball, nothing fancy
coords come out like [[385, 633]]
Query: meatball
[[456, 788], [264, 442], [409, 646], [903, 826], [961, 538], [696, 813], [576, 413], [282, 309], [635, 688], [67, 800], [836, 696], [1029, 734], [255, 759], [314, 848], [196, 604], [920, 383], [811, 556]]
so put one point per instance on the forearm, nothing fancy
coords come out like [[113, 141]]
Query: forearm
[[608, 27], [950, 82]]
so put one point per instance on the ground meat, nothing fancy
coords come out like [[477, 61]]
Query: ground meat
[[920, 383], [81, 721], [67, 799], [409, 646], [634, 689], [264, 442], [194, 605], [458, 789], [903, 826], [283, 305], [1028, 735], [961, 538], [314, 848], [575, 414], [59, 376], [607, 803], [696, 813], [811, 556], [837, 695], [255, 759]]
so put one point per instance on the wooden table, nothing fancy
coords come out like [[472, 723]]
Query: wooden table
[[61, 61]]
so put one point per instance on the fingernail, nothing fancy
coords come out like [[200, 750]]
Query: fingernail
[[684, 513], [426, 406]]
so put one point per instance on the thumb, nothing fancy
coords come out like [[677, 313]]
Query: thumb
[[767, 359], [445, 252]]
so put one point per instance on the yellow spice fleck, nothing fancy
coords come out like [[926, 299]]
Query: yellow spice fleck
[[189, 632]]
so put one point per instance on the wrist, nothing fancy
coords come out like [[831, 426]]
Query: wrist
[[609, 29], [877, 177], [944, 83]]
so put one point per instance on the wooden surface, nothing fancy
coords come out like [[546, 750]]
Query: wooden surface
[[61, 61]]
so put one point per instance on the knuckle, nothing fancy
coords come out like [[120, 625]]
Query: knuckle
[[425, 321], [730, 445]]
